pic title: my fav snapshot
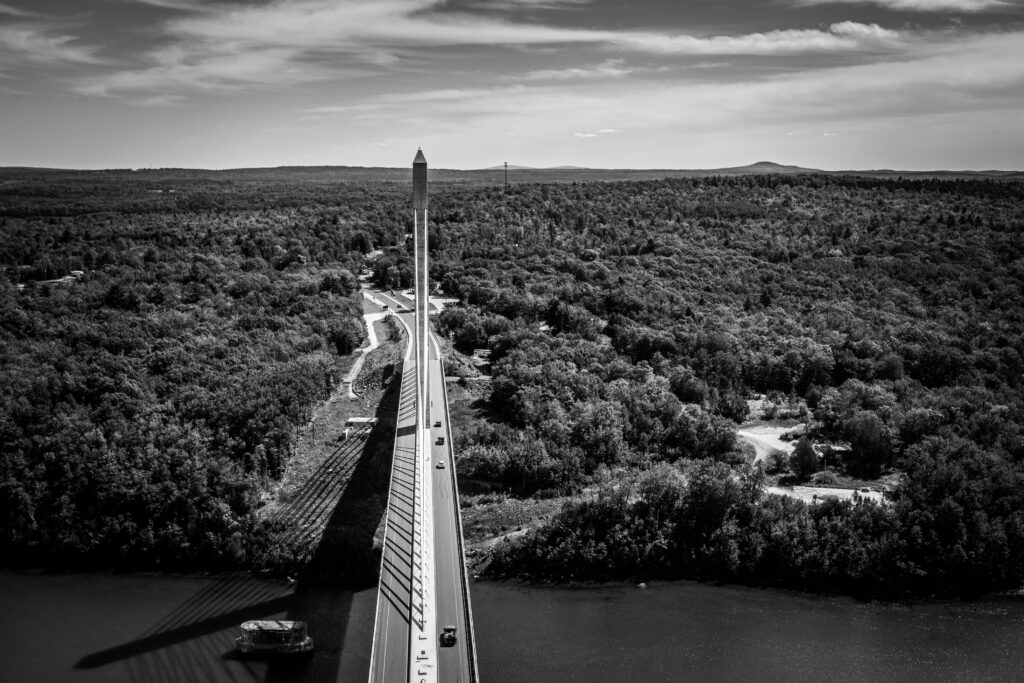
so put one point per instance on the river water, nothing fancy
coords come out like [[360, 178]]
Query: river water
[[156, 628]]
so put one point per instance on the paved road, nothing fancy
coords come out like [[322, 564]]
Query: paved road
[[391, 636], [453, 663]]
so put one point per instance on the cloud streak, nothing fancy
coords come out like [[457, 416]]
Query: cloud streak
[[548, 78], [15, 12], [39, 44], [603, 131], [291, 41], [978, 74], [846, 36], [611, 68], [920, 5], [518, 5]]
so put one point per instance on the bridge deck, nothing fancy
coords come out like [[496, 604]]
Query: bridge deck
[[390, 660]]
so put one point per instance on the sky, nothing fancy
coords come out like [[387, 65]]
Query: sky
[[680, 84]]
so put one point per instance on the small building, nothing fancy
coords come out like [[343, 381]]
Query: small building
[[358, 427]]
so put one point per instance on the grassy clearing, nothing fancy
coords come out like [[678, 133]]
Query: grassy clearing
[[324, 511], [489, 516]]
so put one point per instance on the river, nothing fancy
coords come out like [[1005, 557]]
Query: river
[[156, 628]]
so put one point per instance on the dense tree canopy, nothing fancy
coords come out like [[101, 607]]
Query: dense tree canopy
[[894, 307], [143, 403]]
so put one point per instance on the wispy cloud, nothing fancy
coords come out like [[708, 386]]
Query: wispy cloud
[[603, 131], [184, 5], [15, 12], [510, 77], [289, 41], [517, 5], [844, 36], [976, 74], [183, 71], [920, 5], [611, 68], [39, 44]]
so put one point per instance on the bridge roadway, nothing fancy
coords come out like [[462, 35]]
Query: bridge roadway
[[390, 658]]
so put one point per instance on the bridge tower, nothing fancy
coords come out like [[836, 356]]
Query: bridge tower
[[419, 206], [423, 626]]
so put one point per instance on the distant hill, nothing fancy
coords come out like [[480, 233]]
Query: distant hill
[[763, 167]]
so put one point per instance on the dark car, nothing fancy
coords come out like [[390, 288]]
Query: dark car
[[448, 636], [437, 424], [440, 441]]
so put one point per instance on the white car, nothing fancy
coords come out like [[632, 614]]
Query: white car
[[440, 464]]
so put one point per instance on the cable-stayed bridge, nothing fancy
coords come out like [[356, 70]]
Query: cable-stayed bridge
[[423, 588]]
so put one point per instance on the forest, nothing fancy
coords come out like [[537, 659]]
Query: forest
[[147, 400], [627, 323], [145, 403]]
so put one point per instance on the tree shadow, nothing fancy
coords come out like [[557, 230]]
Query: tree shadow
[[346, 552], [346, 559]]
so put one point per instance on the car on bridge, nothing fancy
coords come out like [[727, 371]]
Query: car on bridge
[[440, 441], [437, 423], [440, 464], [449, 636]]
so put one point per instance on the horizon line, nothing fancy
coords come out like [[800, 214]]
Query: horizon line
[[517, 167]]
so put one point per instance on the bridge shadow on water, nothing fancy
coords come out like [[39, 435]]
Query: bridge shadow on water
[[335, 593]]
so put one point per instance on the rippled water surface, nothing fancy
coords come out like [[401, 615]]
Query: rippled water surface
[[695, 632], [153, 628]]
